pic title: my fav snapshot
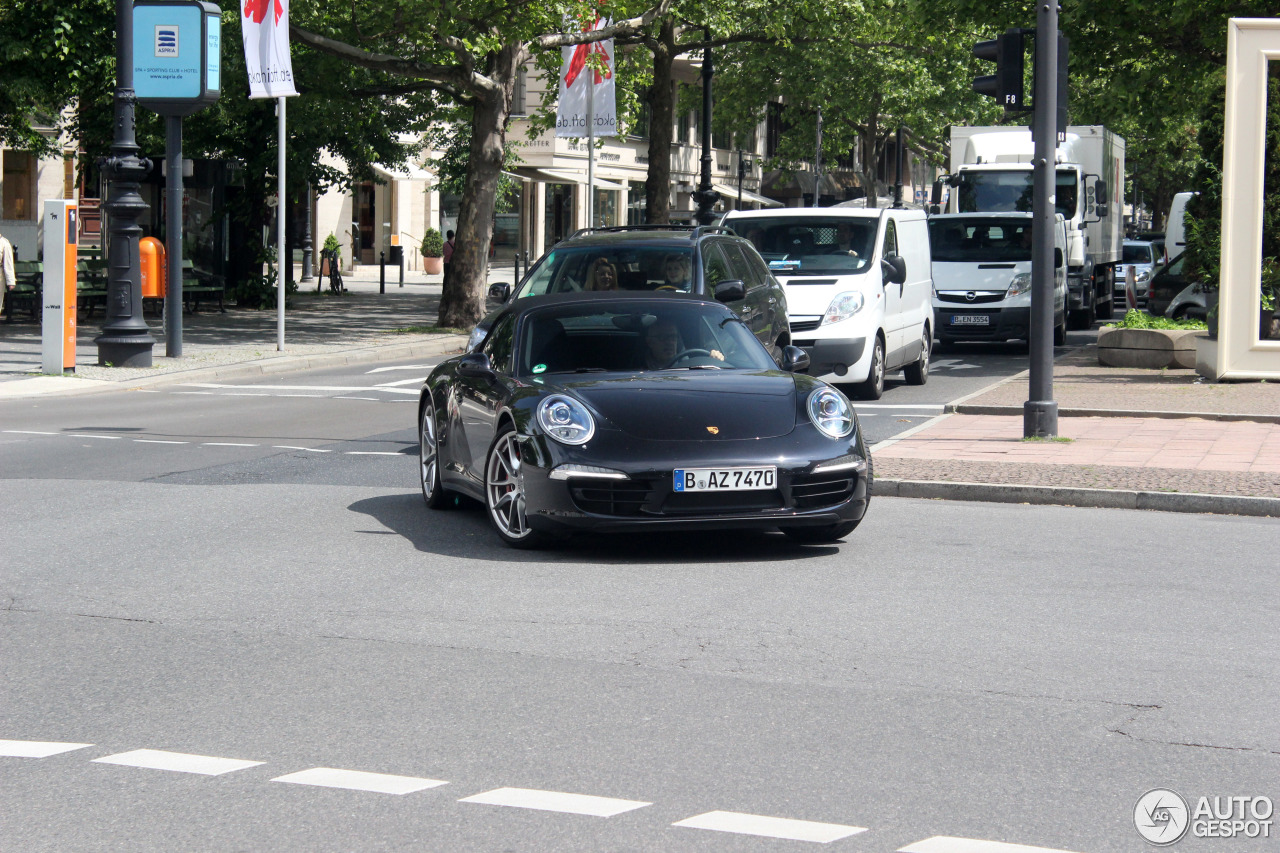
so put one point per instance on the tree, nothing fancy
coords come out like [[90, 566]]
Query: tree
[[878, 72], [469, 52]]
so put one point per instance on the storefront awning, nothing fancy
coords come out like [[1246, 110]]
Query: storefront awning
[[407, 172], [747, 195], [559, 176]]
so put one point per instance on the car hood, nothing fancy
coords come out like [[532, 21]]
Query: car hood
[[694, 405]]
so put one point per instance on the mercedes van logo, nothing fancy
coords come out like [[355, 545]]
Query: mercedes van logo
[[970, 296]]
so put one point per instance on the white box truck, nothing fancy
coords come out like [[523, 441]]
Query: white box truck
[[991, 172]]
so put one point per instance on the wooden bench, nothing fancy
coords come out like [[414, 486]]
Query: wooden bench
[[199, 286], [27, 290]]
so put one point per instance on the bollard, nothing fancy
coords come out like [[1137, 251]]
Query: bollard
[[382, 272], [402, 269]]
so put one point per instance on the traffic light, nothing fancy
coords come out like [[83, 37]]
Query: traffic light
[[1006, 84]]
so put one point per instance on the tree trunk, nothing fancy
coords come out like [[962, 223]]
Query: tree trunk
[[462, 302], [661, 99]]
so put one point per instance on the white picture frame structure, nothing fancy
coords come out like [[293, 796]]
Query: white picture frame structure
[[1238, 353]]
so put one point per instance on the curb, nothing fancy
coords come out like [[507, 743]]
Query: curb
[[1010, 411], [1065, 496], [437, 345]]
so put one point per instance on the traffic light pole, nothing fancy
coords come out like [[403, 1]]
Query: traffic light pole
[[1040, 412]]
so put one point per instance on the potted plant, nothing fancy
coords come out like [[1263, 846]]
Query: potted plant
[[433, 252]]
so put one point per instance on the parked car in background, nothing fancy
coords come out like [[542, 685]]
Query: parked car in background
[[982, 277], [859, 288], [1141, 256], [1171, 292], [602, 412], [708, 261]]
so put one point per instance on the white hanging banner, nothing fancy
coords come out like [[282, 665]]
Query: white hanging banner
[[576, 78], [265, 25]]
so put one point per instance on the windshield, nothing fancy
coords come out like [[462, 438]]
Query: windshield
[[619, 267], [810, 245], [1137, 254], [980, 239], [1000, 191], [593, 337]]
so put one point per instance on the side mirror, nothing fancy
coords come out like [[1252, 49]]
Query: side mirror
[[935, 197], [475, 365], [1057, 257], [1100, 194], [731, 290], [500, 291], [894, 269], [794, 360]]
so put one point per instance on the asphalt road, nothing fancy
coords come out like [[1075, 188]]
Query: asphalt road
[[232, 573]]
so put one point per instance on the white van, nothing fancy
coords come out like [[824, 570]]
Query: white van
[[1175, 224], [858, 288], [982, 277]]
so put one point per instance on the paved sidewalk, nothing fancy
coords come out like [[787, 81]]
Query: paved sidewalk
[[1163, 439]]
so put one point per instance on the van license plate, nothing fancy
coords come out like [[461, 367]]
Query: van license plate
[[724, 479], [970, 320]]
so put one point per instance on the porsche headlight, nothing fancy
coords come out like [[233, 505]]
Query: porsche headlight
[[477, 335], [844, 306], [831, 412], [1021, 284], [566, 420]]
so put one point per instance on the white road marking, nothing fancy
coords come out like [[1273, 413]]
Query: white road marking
[[948, 844], [356, 780], [226, 444], [371, 453], [179, 762], [771, 827], [554, 801], [158, 441], [233, 394], [401, 367], [416, 381], [86, 435], [291, 447], [926, 407], [192, 392], [37, 748], [374, 399], [30, 432], [306, 387], [311, 396]]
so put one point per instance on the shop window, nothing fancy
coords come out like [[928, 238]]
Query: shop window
[[19, 185]]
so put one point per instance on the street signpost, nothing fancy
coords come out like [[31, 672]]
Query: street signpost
[[177, 71]]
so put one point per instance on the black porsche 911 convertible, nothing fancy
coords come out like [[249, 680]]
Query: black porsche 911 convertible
[[605, 412]]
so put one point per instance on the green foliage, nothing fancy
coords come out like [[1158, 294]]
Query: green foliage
[[432, 244], [1135, 319]]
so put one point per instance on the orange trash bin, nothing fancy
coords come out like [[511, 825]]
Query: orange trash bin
[[154, 268]]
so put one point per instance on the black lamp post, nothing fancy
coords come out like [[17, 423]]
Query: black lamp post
[[125, 340], [705, 196]]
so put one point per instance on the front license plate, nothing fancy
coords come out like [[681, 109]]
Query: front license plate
[[970, 320], [724, 479]]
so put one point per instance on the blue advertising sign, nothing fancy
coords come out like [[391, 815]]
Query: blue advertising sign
[[176, 55]]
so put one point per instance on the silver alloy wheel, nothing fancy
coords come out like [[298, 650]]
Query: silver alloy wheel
[[428, 453], [504, 488], [877, 366]]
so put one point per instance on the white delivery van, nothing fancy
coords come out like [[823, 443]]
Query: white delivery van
[[982, 277], [1175, 224], [858, 288]]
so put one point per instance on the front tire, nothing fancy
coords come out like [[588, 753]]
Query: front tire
[[823, 535], [504, 495], [429, 461], [918, 373], [873, 387], [1060, 333]]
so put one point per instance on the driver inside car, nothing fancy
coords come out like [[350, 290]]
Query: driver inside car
[[662, 345]]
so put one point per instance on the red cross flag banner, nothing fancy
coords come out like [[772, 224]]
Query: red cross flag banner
[[265, 25], [587, 91]]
